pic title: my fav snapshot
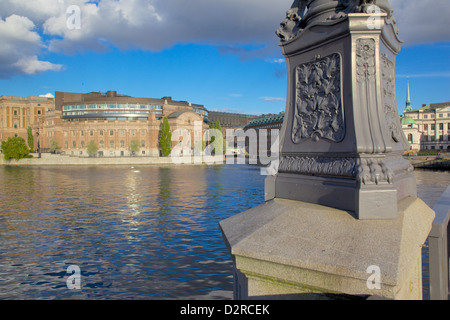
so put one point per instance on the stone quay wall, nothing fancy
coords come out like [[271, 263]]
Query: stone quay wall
[[64, 160]]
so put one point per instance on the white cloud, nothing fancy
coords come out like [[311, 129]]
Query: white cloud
[[19, 48], [48, 95], [422, 22], [443, 74], [242, 28], [272, 99]]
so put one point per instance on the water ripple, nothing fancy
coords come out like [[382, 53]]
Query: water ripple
[[147, 235]]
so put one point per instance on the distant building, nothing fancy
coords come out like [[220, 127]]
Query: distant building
[[267, 128], [427, 128], [231, 120], [19, 113], [113, 122]]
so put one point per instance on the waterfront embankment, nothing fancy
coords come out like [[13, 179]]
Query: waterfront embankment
[[48, 159]]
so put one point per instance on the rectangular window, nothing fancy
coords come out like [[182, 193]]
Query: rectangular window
[[122, 143], [111, 144], [111, 132], [91, 133], [441, 126], [433, 127], [425, 127], [122, 132], [74, 144], [101, 133], [142, 132], [82, 133]]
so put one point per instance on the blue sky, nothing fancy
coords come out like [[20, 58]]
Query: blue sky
[[223, 54]]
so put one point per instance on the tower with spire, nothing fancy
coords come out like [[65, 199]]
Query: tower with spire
[[408, 99], [406, 120]]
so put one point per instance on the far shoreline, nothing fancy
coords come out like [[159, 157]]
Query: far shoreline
[[48, 159]]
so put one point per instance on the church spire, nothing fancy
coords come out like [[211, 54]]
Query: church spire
[[408, 100]]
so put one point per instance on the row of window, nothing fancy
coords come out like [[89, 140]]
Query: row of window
[[433, 126], [113, 106], [434, 148], [427, 138], [80, 113], [433, 116], [111, 153], [101, 133], [16, 113], [101, 144]]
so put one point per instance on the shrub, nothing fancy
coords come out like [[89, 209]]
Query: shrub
[[15, 148]]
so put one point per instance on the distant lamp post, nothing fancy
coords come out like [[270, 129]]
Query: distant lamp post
[[38, 144]]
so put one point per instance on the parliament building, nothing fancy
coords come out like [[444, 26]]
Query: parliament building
[[112, 121]]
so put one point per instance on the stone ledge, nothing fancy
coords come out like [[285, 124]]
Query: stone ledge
[[326, 250]]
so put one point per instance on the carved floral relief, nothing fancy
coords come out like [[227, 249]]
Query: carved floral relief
[[365, 60], [388, 87], [318, 112]]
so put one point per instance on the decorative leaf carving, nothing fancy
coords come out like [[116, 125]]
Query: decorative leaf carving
[[318, 110]]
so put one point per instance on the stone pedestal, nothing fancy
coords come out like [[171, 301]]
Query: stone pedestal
[[287, 249], [342, 215]]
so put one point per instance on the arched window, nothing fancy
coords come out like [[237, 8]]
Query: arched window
[[410, 137]]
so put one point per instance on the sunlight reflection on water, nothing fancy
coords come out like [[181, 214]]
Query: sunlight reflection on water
[[136, 233]]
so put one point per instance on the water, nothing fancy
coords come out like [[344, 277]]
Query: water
[[136, 233]]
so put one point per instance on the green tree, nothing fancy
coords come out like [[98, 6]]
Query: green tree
[[134, 146], [15, 148], [54, 146], [30, 139], [165, 137], [218, 141], [92, 148]]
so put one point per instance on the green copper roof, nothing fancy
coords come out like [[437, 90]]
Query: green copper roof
[[407, 120], [273, 118]]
